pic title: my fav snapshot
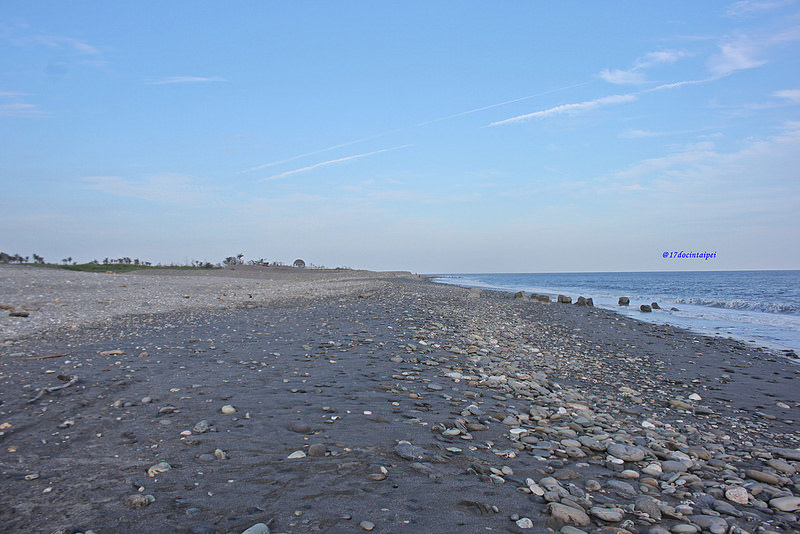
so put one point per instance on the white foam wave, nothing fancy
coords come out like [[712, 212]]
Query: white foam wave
[[743, 305]]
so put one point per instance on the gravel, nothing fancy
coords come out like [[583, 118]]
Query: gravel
[[62, 298]]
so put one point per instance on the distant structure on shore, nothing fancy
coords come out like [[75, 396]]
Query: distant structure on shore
[[299, 263]]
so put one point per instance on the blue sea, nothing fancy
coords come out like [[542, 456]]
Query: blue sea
[[758, 307]]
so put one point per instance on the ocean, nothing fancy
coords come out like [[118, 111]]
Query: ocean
[[758, 307]]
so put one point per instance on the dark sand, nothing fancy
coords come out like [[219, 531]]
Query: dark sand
[[357, 374]]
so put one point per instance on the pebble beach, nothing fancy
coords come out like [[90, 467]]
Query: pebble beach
[[297, 401]]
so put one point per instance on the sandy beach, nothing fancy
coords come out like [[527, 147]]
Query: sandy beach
[[301, 401]]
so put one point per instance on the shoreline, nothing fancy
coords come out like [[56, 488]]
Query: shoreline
[[489, 392], [690, 316]]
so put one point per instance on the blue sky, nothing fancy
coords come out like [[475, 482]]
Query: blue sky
[[424, 136]]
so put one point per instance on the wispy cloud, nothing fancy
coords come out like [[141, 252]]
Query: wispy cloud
[[786, 36], [635, 75], [699, 169], [186, 79], [623, 77], [570, 109], [330, 162], [57, 41], [751, 7], [11, 105], [735, 54], [22, 35], [788, 94], [639, 134]]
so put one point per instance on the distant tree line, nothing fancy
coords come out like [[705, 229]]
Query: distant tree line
[[239, 260], [16, 258], [230, 261]]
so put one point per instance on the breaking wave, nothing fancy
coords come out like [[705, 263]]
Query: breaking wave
[[743, 305]]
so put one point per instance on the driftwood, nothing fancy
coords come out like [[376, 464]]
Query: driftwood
[[45, 357], [70, 380]]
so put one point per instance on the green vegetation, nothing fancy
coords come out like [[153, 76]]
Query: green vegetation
[[121, 265]]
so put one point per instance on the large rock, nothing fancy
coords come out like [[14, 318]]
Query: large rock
[[563, 299], [621, 488], [628, 453], [789, 454], [713, 524], [649, 506], [590, 302], [761, 476], [624, 301], [655, 306], [612, 515], [645, 308], [519, 295], [409, 451], [786, 504], [258, 528], [674, 466], [540, 298], [581, 301], [568, 515]]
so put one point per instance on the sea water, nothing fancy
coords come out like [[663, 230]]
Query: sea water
[[758, 307]]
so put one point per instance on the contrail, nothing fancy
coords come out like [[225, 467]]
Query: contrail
[[330, 162], [570, 108], [320, 151], [598, 102], [501, 104], [341, 145]]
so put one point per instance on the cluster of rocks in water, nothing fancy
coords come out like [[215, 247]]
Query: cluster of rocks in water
[[583, 301], [561, 299]]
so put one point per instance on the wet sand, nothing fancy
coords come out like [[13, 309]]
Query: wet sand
[[398, 405]]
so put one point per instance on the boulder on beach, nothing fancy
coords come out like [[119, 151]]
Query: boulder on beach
[[540, 298], [519, 295], [563, 299], [590, 302], [581, 301], [624, 301], [655, 306], [645, 308]]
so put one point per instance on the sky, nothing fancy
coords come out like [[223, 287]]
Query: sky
[[435, 137]]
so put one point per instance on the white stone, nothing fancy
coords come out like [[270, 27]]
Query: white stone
[[653, 469], [524, 523], [159, 468], [737, 494]]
